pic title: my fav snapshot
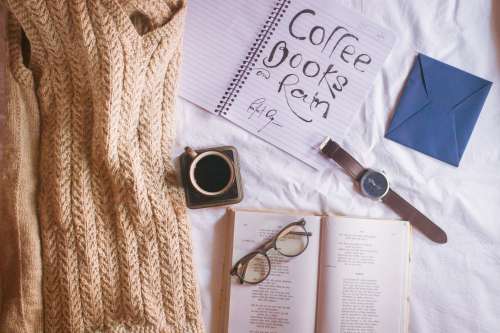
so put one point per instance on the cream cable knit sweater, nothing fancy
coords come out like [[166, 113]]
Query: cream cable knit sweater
[[116, 248]]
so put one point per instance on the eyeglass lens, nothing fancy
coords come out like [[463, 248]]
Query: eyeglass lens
[[256, 269], [292, 241]]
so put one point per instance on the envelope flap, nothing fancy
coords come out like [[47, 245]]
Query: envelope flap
[[446, 85], [415, 96], [430, 132], [466, 113]]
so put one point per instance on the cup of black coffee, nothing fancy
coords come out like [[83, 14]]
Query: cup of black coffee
[[211, 172], [211, 177]]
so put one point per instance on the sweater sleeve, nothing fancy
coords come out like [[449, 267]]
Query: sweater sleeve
[[20, 245]]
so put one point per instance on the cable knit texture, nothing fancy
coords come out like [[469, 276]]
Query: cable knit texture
[[116, 247]]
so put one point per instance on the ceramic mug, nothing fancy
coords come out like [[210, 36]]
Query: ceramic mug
[[211, 172]]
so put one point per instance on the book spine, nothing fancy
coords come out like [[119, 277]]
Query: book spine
[[252, 57]]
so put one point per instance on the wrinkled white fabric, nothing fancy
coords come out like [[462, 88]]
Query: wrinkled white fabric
[[455, 287]]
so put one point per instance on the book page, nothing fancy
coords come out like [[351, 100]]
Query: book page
[[363, 276], [286, 301]]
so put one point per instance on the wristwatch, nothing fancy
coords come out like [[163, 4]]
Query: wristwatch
[[375, 185]]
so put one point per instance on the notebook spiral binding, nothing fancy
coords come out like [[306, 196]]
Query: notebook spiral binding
[[252, 57]]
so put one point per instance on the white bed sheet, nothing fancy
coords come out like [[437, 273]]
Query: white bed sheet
[[455, 287]]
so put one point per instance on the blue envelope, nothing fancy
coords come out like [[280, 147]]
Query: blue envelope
[[438, 109]]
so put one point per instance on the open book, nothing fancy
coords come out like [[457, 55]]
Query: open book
[[352, 277]]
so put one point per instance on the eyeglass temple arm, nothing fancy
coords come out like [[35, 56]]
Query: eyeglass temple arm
[[235, 273], [270, 244], [301, 233]]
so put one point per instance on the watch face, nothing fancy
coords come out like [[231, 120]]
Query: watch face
[[374, 184]]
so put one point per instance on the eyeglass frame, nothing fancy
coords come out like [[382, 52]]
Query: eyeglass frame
[[264, 249]]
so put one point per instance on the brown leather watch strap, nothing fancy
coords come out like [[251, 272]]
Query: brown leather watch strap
[[333, 150], [404, 209], [416, 218]]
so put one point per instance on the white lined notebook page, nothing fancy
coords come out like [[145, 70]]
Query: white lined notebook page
[[302, 75], [217, 37]]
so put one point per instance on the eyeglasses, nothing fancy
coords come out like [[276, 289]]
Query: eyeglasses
[[290, 241]]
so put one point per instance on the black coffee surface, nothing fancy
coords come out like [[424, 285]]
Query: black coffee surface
[[212, 173]]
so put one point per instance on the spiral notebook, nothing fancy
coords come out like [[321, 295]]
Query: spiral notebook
[[290, 72]]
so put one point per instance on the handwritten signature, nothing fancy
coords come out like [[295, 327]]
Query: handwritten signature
[[259, 109]]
